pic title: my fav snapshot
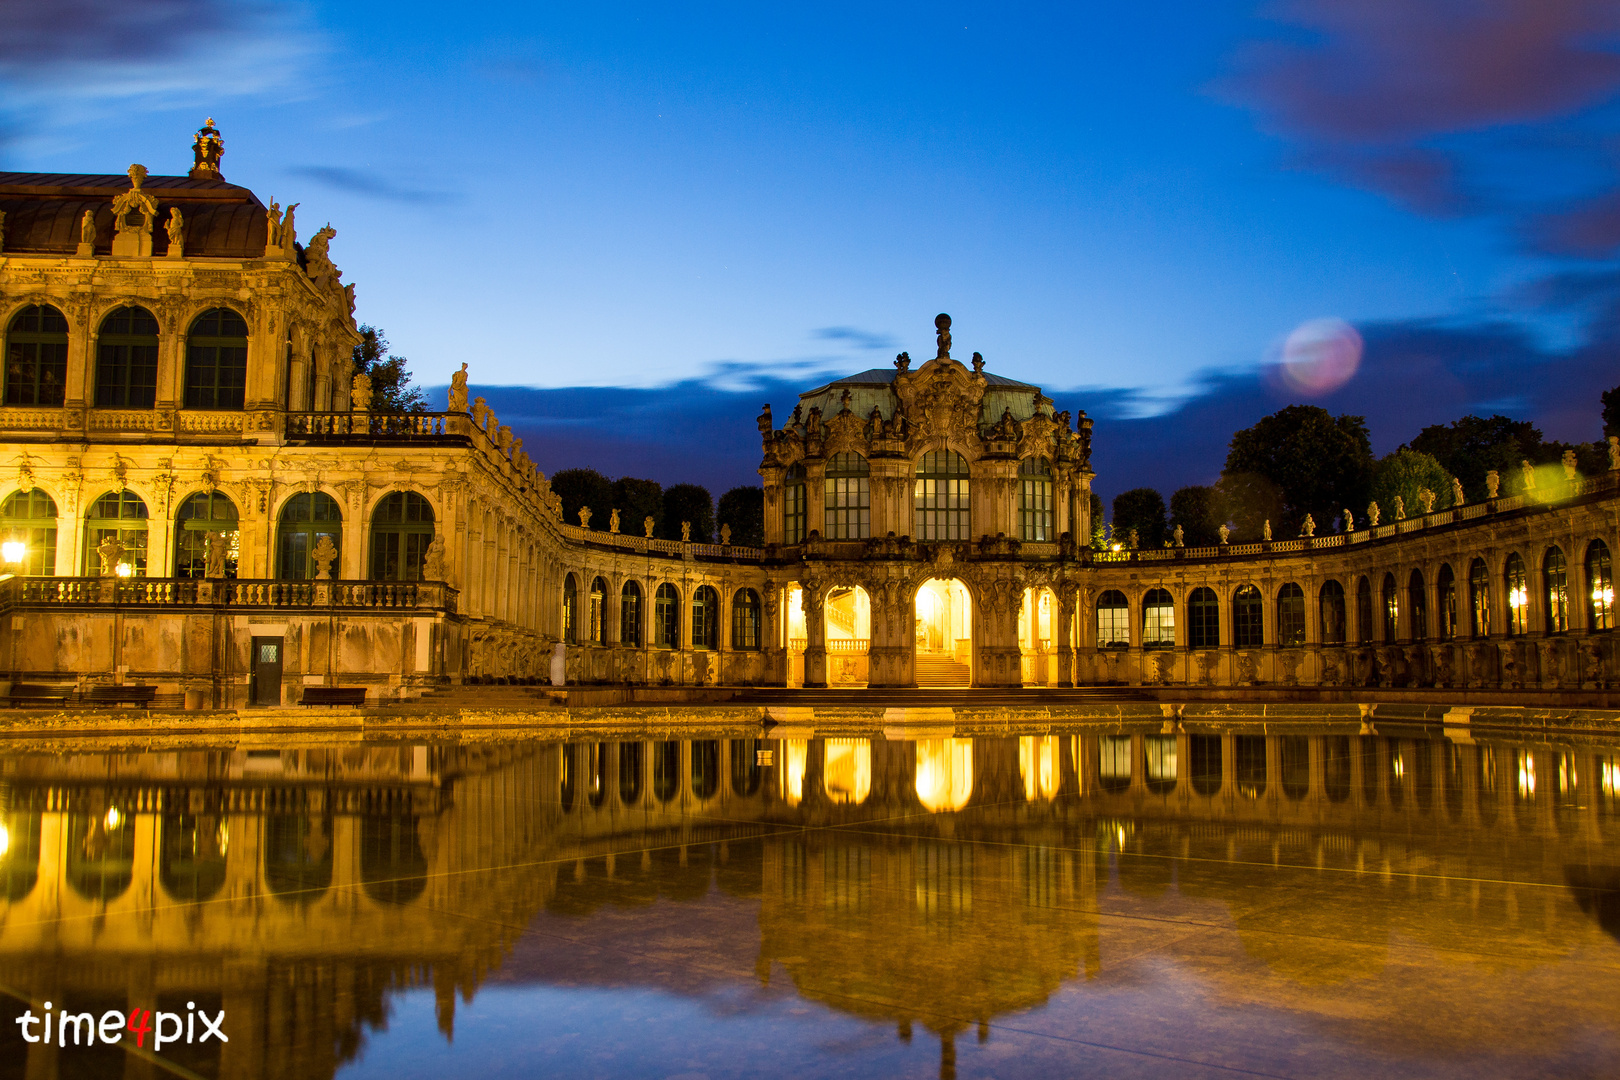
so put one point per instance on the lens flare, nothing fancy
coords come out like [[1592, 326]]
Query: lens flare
[[1320, 356]]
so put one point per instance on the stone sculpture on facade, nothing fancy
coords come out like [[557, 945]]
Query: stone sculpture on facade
[[1372, 515], [2, 230], [1457, 497], [111, 551], [613, 521], [324, 554], [1309, 528], [206, 152], [1265, 531], [217, 546], [686, 532], [584, 517], [647, 526], [433, 560], [1614, 453], [1226, 532], [87, 233], [1527, 475], [942, 324], [360, 393], [1400, 508], [725, 534], [1426, 497], [1570, 466], [133, 214], [1349, 520], [1493, 483], [458, 390], [176, 228], [1178, 536]]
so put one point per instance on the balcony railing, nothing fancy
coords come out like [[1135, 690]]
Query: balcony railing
[[206, 592], [375, 425]]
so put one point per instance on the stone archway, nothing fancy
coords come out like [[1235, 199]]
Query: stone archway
[[943, 628]]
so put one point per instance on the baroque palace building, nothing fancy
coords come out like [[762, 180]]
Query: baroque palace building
[[196, 495]]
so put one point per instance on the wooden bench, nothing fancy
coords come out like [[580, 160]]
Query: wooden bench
[[333, 695], [24, 694], [121, 695]]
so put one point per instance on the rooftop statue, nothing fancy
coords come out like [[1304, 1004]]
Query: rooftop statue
[[942, 324], [206, 152]]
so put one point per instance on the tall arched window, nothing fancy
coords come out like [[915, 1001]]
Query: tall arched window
[[794, 505], [121, 516], [216, 360], [1517, 582], [1479, 599], [1391, 608], [1290, 615], [630, 614], [36, 356], [598, 619], [942, 496], [204, 515], [1556, 574], [1113, 621], [1600, 587], [1445, 587], [1248, 629], [1203, 619], [126, 360], [401, 532], [1417, 606], [305, 518], [1034, 499], [745, 619], [29, 518], [849, 498], [705, 618], [1364, 611], [570, 610], [1158, 620], [666, 617], [1331, 604]]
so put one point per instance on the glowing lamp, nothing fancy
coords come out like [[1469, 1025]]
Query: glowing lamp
[[5, 840], [13, 551], [113, 818], [124, 569], [1518, 597]]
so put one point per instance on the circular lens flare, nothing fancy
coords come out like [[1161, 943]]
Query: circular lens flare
[[1320, 356]]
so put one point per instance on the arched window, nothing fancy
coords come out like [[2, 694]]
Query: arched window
[[630, 614], [598, 620], [1479, 599], [191, 867], [126, 360], [1247, 618], [29, 518], [1113, 621], [570, 610], [1391, 608], [1417, 605], [849, 498], [36, 356], [216, 360], [206, 517], [793, 505], [1034, 499], [121, 516], [942, 496], [1600, 587], [1364, 611], [1290, 615], [1518, 595], [1556, 574], [666, 617], [401, 532], [1158, 620], [305, 518], [1445, 587], [705, 618], [1203, 619], [632, 769], [1331, 603], [745, 619]]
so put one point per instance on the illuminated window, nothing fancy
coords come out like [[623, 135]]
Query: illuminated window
[[216, 361], [1290, 615], [1479, 599], [666, 617], [570, 610], [29, 518], [1035, 499], [598, 612], [942, 496], [126, 359], [1332, 613], [36, 356], [1556, 574], [1113, 621], [793, 505], [1518, 594], [119, 515], [1247, 618], [1158, 620], [1600, 587], [630, 614], [848, 498], [1114, 762], [1203, 619], [1446, 588], [745, 619]]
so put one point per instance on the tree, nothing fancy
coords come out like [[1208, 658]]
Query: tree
[[688, 503], [1611, 412], [583, 487], [1200, 511], [1141, 509], [1405, 473], [1470, 447], [1299, 460], [1099, 533], [391, 389], [637, 501], [743, 508]]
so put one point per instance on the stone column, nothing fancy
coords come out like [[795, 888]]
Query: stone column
[[1063, 635], [815, 633], [815, 497], [997, 656]]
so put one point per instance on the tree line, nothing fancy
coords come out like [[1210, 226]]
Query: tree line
[[742, 508], [1302, 461]]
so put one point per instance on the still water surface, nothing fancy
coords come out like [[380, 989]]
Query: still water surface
[[1112, 903]]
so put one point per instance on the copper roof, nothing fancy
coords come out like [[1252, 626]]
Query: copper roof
[[885, 376], [43, 210]]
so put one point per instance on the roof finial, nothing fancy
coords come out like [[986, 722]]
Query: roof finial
[[137, 174], [942, 323], [206, 152], [978, 364]]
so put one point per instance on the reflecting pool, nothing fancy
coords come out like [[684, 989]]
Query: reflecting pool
[[1129, 901]]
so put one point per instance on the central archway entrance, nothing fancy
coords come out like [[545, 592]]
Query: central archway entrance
[[944, 629], [848, 627]]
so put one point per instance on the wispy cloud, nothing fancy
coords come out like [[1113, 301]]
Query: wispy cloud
[[371, 185], [855, 337]]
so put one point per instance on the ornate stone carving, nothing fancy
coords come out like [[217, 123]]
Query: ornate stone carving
[[433, 560], [206, 151], [133, 215], [111, 551], [584, 517], [176, 228], [324, 555], [360, 393], [458, 390], [1457, 496]]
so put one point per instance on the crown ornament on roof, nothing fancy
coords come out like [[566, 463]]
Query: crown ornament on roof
[[942, 324], [206, 152]]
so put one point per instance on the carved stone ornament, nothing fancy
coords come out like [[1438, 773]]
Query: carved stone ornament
[[613, 521], [647, 526], [176, 228], [458, 390], [206, 151], [686, 532], [324, 555], [111, 551], [1457, 496], [584, 517], [360, 393], [433, 560], [133, 214]]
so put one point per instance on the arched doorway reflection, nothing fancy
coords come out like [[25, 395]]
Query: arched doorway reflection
[[944, 633], [847, 774], [944, 773], [1039, 764]]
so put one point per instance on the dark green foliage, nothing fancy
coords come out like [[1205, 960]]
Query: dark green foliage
[[1099, 532], [391, 389], [743, 508], [1200, 513], [584, 487], [691, 503], [638, 500], [1470, 447], [1611, 412], [1406, 473], [1141, 509], [1299, 460]]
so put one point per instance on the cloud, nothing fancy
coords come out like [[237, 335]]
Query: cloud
[[856, 337], [371, 185]]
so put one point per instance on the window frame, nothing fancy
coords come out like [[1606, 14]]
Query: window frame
[[37, 532], [1599, 587], [40, 352], [1332, 623], [667, 617], [207, 353], [312, 527], [630, 614], [795, 505], [1158, 619], [942, 497], [1248, 618], [121, 354], [1035, 499], [847, 497], [1117, 621], [1203, 618], [1290, 615], [745, 620]]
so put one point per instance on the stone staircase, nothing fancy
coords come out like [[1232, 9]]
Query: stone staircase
[[941, 669]]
